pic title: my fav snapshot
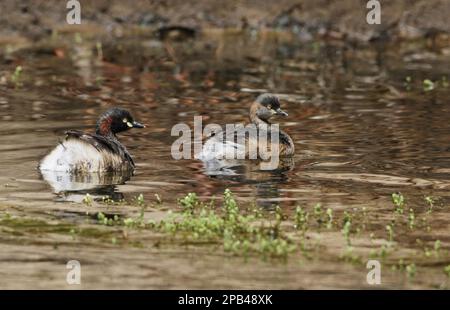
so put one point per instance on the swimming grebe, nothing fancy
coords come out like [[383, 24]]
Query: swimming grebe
[[100, 152], [261, 110]]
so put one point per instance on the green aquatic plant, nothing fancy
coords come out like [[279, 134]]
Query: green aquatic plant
[[430, 201], [411, 270], [427, 252], [140, 201], [330, 218], [447, 270], [399, 266], [135, 222], [73, 233], [390, 230], [229, 225], [437, 247], [301, 219], [6, 216], [428, 85], [107, 200], [318, 211], [411, 219], [107, 221], [407, 83], [346, 231], [15, 78], [88, 200], [190, 202], [350, 256], [77, 37], [347, 217], [399, 202]]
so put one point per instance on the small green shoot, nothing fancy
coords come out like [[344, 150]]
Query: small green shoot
[[428, 85]]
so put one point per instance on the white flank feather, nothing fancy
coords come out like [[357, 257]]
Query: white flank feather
[[75, 155]]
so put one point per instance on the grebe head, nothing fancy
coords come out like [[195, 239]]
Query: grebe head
[[264, 107], [115, 120]]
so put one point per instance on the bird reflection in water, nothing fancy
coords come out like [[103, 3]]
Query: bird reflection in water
[[266, 182], [74, 187]]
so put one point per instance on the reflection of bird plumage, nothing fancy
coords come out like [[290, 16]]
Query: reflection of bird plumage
[[219, 152], [63, 182], [100, 152]]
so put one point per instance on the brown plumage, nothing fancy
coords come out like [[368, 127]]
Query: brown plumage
[[261, 110], [83, 152]]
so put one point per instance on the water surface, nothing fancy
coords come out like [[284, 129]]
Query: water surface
[[363, 125]]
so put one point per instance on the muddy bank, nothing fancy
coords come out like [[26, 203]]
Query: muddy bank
[[344, 20]]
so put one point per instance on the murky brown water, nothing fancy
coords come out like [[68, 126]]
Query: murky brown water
[[361, 131]]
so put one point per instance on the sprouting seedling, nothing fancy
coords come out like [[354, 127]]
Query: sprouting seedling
[[279, 214], [411, 219], [427, 252], [437, 247], [407, 82], [73, 233], [411, 270], [447, 270], [430, 202], [189, 202], [428, 85], [330, 218], [399, 202], [383, 251], [107, 200], [390, 230], [347, 217], [346, 231], [16, 75], [301, 218], [230, 205], [401, 264], [87, 200], [318, 212], [77, 37], [140, 200], [102, 219]]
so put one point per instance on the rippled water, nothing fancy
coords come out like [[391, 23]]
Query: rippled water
[[361, 131]]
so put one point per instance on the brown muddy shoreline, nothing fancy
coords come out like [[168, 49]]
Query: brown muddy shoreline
[[307, 20]]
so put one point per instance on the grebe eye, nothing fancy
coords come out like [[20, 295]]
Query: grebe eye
[[125, 120]]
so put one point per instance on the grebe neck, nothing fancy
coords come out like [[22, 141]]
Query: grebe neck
[[263, 124]]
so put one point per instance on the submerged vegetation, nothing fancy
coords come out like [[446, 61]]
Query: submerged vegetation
[[275, 234], [278, 233]]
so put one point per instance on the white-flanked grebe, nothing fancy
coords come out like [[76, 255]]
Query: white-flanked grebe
[[100, 152], [262, 109]]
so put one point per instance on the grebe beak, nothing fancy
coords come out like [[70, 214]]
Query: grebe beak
[[138, 125], [281, 112]]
